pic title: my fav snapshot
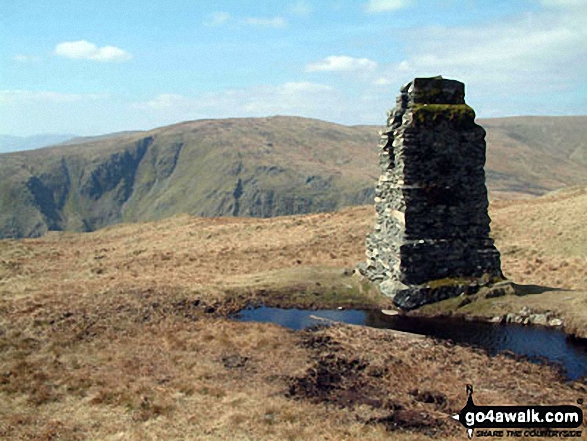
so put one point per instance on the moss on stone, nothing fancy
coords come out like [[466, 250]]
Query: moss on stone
[[485, 279], [459, 113], [449, 281]]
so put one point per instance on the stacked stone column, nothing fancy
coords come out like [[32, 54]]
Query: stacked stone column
[[431, 236]]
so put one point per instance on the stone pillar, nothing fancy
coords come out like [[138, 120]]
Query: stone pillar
[[431, 237]]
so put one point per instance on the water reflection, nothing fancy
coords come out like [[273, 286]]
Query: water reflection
[[533, 342]]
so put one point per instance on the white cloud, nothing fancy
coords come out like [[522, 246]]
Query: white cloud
[[275, 22], [533, 63], [527, 54], [341, 63], [301, 8], [386, 5], [83, 49], [218, 18]]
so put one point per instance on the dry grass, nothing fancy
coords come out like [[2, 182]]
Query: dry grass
[[544, 241], [543, 245], [121, 333], [184, 253]]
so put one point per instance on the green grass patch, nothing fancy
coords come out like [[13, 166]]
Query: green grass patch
[[311, 287]]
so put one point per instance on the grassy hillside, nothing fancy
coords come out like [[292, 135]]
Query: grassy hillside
[[535, 154], [251, 167], [123, 333]]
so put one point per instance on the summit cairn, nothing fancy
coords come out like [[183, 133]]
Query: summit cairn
[[431, 237]]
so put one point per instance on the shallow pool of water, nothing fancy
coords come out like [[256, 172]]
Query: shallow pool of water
[[533, 342]]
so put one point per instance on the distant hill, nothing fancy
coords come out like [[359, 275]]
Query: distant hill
[[84, 139], [17, 143], [259, 167], [535, 154]]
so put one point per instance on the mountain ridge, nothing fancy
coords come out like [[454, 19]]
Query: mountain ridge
[[259, 167]]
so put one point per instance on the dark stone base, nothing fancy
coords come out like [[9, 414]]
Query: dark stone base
[[415, 296]]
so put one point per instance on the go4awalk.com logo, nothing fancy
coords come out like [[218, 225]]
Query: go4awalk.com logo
[[520, 421]]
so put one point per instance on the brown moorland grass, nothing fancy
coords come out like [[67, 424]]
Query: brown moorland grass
[[122, 333], [543, 245]]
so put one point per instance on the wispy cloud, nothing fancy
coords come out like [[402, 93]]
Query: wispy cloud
[[83, 49], [375, 6], [27, 58], [523, 52], [273, 22], [12, 96], [217, 18], [50, 111], [340, 63], [565, 3], [382, 81], [164, 101], [291, 98], [295, 98], [507, 65], [300, 8], [223, 18]]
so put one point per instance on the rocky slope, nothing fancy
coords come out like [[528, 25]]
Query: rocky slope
[[259, 167]]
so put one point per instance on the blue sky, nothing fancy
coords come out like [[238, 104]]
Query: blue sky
[[92, 67]]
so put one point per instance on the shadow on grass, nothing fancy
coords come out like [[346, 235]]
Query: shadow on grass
[[524, 290]]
